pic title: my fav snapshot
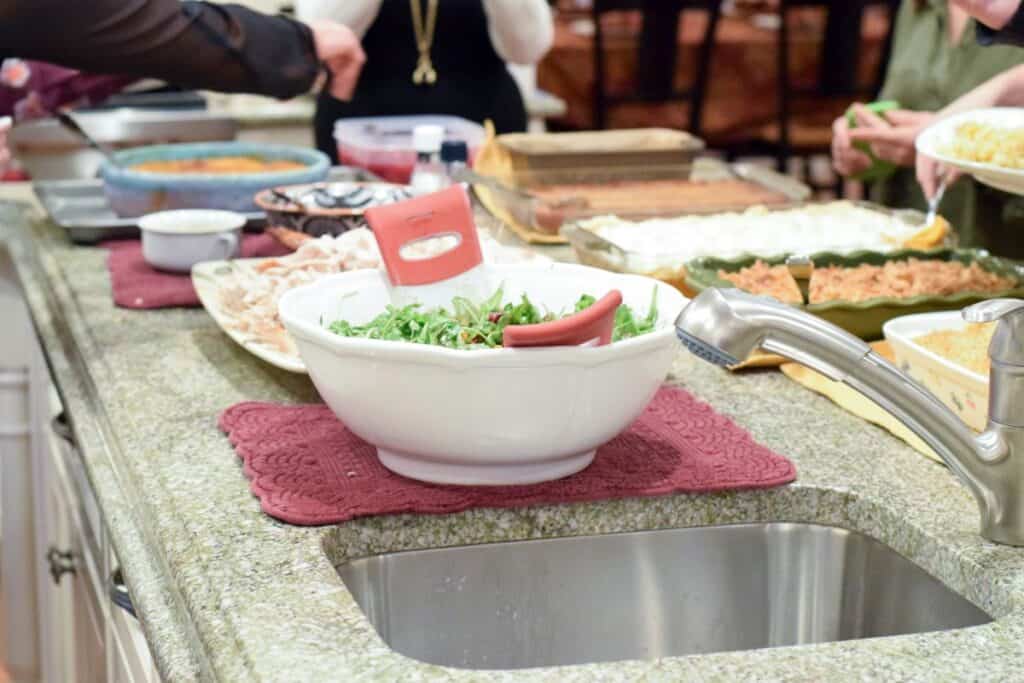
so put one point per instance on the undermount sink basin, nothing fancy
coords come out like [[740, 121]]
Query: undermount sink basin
[[647, 594]]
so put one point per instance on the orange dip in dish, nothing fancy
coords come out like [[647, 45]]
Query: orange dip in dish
[[219, 165]]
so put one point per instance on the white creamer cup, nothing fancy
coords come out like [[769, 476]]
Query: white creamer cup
[[177, 240]]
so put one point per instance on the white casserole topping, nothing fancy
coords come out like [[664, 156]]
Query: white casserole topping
[[838, 226]]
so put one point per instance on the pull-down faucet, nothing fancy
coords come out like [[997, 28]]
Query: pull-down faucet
[[724, 326]]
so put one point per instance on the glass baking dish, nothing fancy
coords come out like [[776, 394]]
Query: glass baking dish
[[670, 266], [528, 203]]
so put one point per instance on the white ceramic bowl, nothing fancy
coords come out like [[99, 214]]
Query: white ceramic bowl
[[177, 240], [492, 416]]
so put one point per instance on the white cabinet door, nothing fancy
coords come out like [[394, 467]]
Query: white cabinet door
[[56, 590], [128, 656], [73, 615]]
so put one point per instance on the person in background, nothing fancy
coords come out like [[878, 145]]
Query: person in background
[[1000, 21], [433, 57], [5, 154], [935, 60], [1004, 90], [228, 48]]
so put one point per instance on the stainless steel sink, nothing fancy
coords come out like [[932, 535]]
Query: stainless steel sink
[[649, 594]]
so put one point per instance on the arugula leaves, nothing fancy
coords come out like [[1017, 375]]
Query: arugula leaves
[[476, 326]]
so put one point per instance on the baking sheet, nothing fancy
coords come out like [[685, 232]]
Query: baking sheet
[[81, 208]]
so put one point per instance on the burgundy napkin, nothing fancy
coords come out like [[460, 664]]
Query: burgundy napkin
[[136, 284], [307, 468]]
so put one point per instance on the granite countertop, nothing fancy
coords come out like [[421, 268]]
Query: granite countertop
[[226, 593]]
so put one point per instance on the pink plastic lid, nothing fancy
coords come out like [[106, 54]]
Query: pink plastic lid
[[447, 212], [594, 322]]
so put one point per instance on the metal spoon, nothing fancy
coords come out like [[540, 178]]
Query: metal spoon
[[69, 122], [933, 203]]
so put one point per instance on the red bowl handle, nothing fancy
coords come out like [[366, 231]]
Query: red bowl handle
[[447, 212], [595, 322]]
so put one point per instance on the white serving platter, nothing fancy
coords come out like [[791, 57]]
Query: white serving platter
[[937, 137], [209, 279]]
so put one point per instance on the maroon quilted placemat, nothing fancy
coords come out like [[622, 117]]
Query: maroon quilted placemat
[[137, 285], [307, 468]]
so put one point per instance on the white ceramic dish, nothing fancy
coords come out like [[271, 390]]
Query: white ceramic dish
[[216, 280], [209, 278], [493, 416], [936, 137], [965, 392], [177, 240]]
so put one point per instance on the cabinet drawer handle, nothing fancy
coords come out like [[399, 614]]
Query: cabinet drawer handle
[[119, 592], [59, 425], [61, 562]]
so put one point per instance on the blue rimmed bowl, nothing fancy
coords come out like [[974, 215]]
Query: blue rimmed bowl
[[135, 193]]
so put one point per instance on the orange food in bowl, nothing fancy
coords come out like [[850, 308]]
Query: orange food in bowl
[[219, 165]]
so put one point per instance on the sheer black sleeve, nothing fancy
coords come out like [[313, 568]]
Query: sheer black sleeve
[[194, 44]]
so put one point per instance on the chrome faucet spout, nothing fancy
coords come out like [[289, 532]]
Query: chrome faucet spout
[[726, 325]]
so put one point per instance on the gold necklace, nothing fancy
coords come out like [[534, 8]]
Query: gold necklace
[[425, 72]]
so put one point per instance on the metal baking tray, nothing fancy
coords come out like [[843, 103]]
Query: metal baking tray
[[592, 249], [544, 217], [81, 208]]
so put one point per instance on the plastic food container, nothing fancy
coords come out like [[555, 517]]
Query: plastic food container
[[478, 417], [383, 144], [963, 391], [135, 193]]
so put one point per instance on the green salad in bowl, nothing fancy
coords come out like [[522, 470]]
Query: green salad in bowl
[[468, 325]]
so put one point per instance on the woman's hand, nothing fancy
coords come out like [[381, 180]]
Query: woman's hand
[[993, 13], [846, 159], [341, 52], [891, 138]]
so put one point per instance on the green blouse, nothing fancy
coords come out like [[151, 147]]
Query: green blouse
[[926, 73]]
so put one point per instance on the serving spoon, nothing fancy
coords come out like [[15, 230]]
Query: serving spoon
[[68, 121]]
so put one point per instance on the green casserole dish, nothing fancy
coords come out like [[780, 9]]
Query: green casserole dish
[[865, 318]]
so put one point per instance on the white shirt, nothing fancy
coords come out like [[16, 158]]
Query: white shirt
[[520, 30]]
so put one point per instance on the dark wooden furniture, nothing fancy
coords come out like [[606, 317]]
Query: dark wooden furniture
[[656, 57]]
